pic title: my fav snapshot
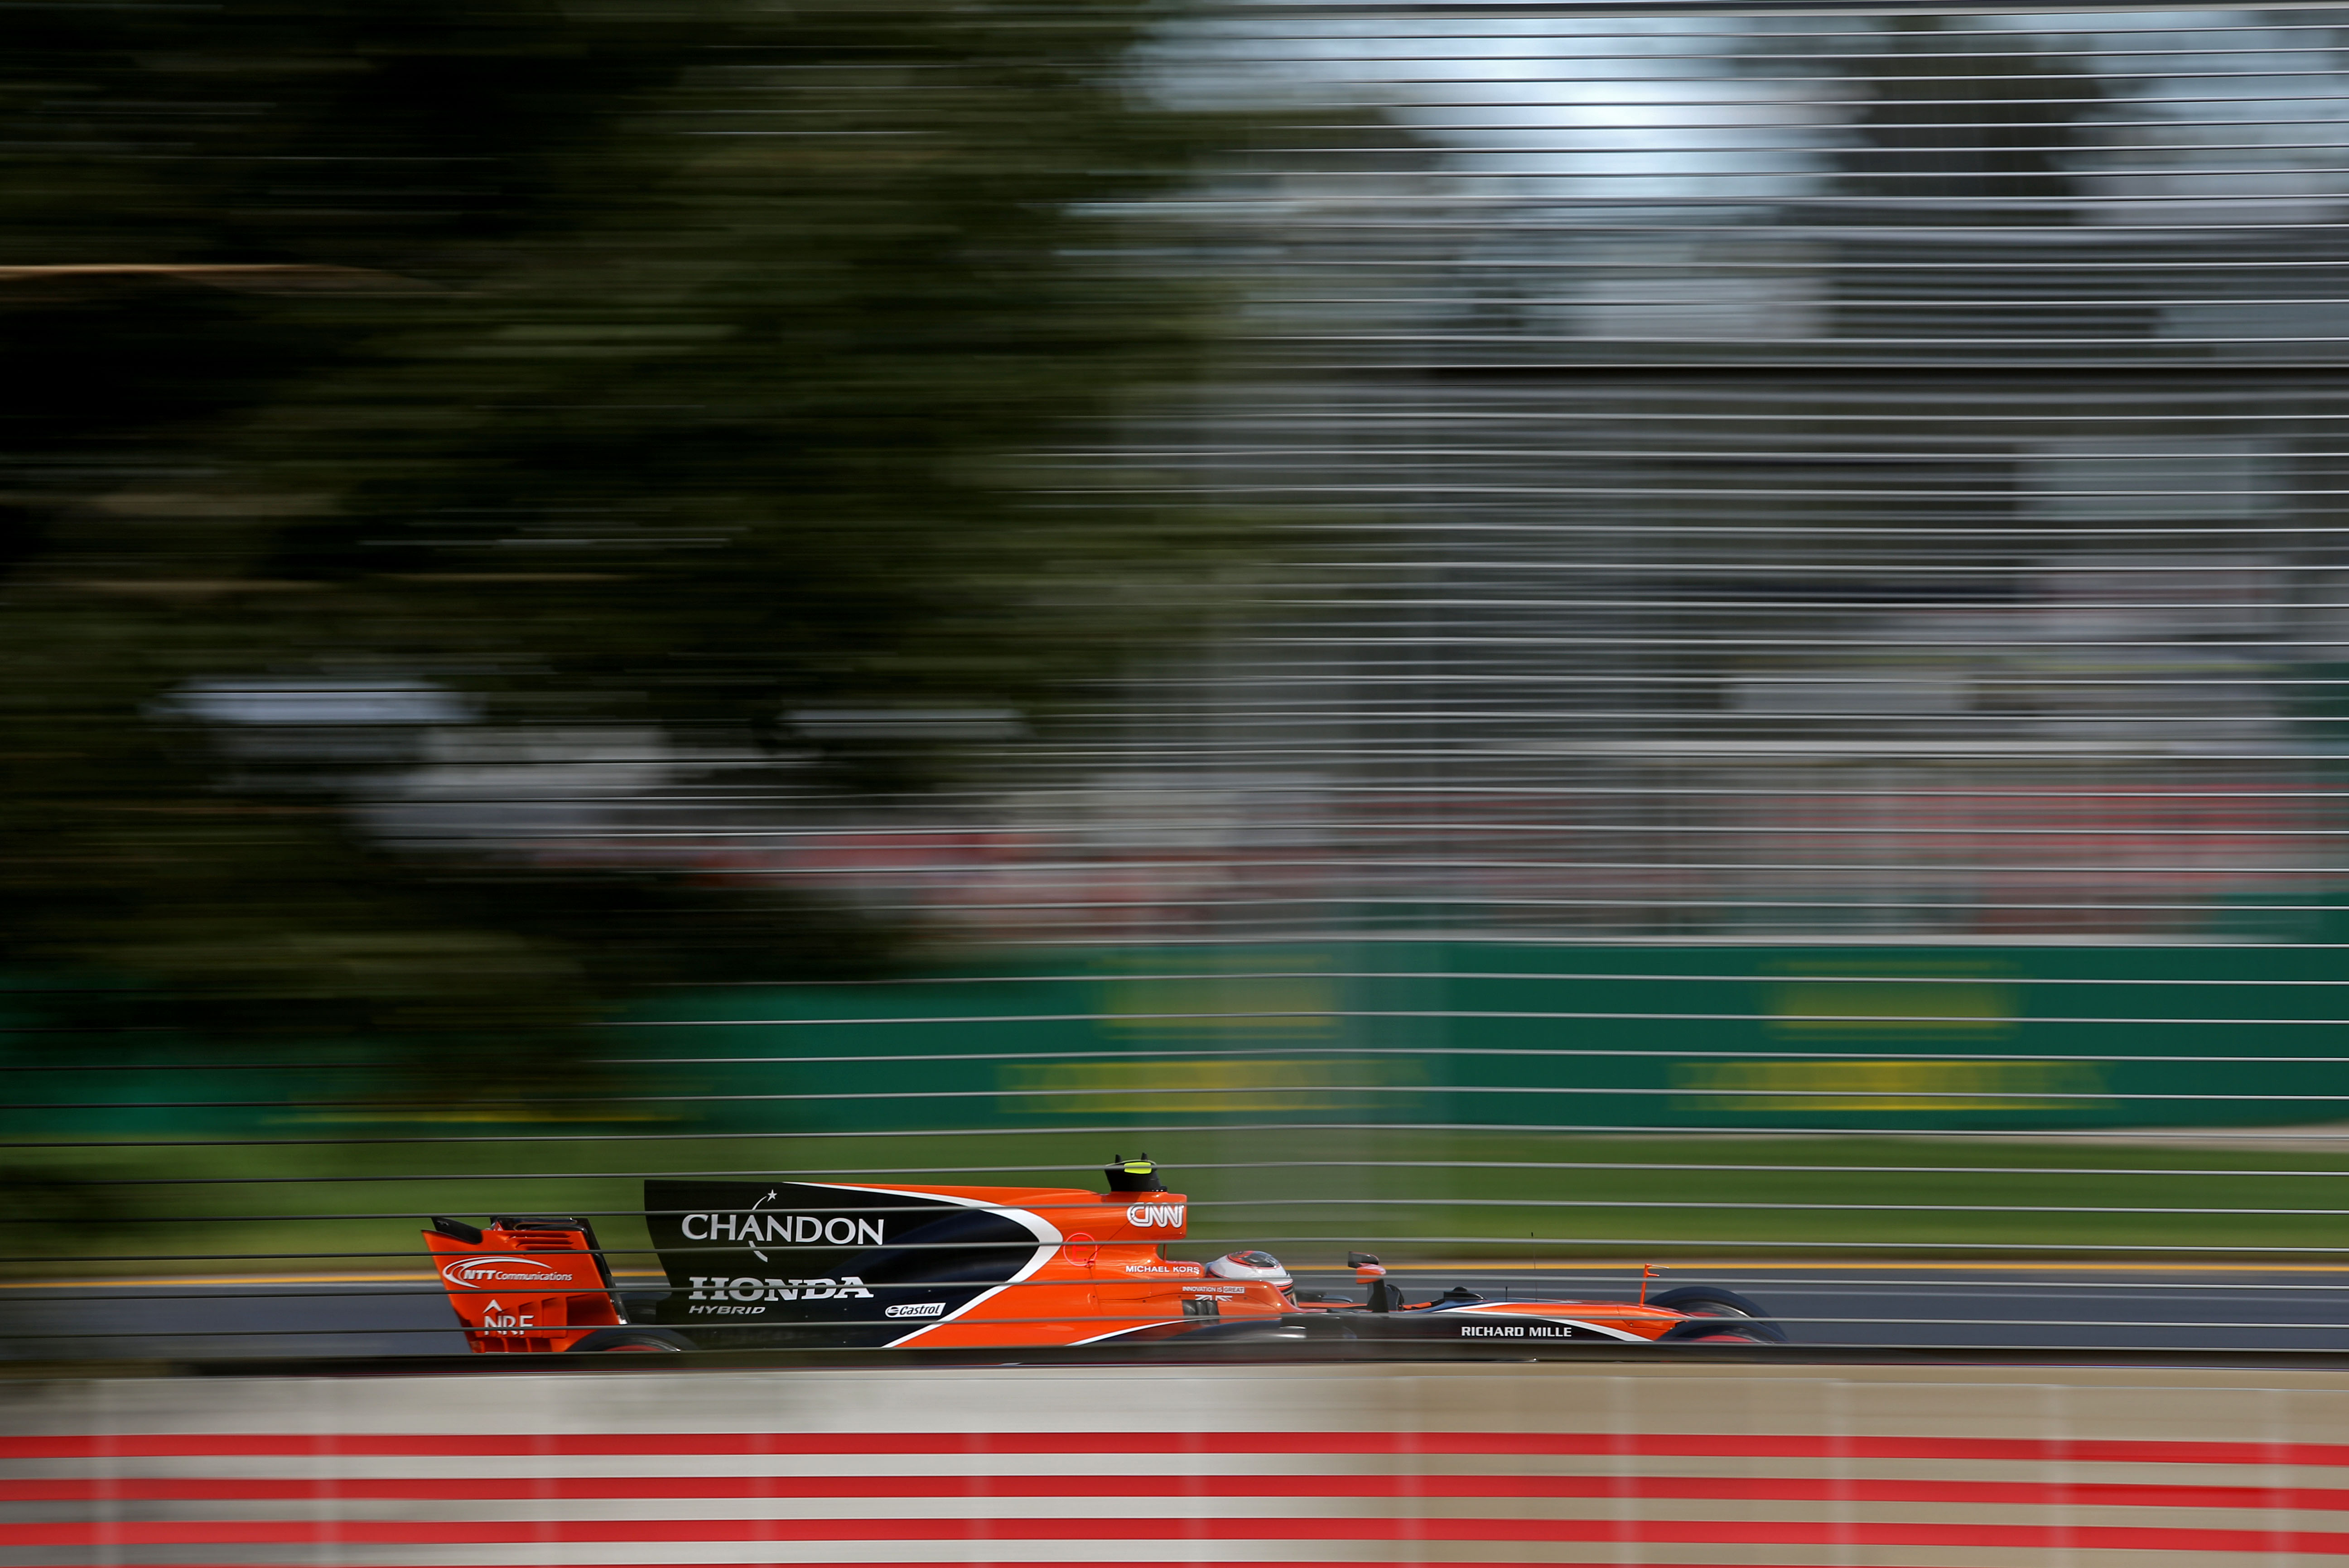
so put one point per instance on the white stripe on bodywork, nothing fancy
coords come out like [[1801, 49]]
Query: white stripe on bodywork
[[1130, 1328], [1512, 1311], [1048, 1237]]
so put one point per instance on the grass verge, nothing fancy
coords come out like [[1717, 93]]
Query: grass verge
[[300, 1209]]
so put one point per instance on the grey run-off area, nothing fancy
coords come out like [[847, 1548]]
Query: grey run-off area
[[1924, 1307]]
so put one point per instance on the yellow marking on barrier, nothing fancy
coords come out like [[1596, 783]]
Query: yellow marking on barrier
[[1822, 1010], [1877, 1088]]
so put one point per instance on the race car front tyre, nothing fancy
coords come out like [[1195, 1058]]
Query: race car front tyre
[[634, 1339], [1717, 1314]]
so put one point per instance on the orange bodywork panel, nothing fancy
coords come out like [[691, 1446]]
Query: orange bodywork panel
[[525, 1289], [1108, 1275]]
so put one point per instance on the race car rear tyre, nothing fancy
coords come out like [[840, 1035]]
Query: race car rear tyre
[[1717, 1314], [634, 1339]]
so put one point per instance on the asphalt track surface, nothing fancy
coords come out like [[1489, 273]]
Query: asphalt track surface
[[2081, 1307]]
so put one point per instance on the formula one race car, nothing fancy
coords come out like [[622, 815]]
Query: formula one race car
[[799, 1264]]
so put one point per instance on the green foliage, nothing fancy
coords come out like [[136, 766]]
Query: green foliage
[[672, 366]]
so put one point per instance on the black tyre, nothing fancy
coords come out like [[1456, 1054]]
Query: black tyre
[[655, 1340], [1718, 1315]]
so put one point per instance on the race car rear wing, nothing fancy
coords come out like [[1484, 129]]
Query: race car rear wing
[[528, 1282]]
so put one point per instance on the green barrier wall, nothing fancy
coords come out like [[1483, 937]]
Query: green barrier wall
[[1520, 1035], [1469, 1034]]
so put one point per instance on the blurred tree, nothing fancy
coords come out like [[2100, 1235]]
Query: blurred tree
[[671, 366], [1953, 112]]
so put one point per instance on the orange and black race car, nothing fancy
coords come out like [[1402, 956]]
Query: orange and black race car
[[793, 1265]]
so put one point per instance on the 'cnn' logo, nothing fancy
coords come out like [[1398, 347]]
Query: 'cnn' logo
[[1142, 1216]]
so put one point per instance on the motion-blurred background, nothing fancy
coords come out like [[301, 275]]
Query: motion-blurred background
[[1554, 634]]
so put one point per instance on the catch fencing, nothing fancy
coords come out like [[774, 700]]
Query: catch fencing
[[1794, 733]]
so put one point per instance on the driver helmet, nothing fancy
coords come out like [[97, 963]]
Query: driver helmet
[[1261, 1266]]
